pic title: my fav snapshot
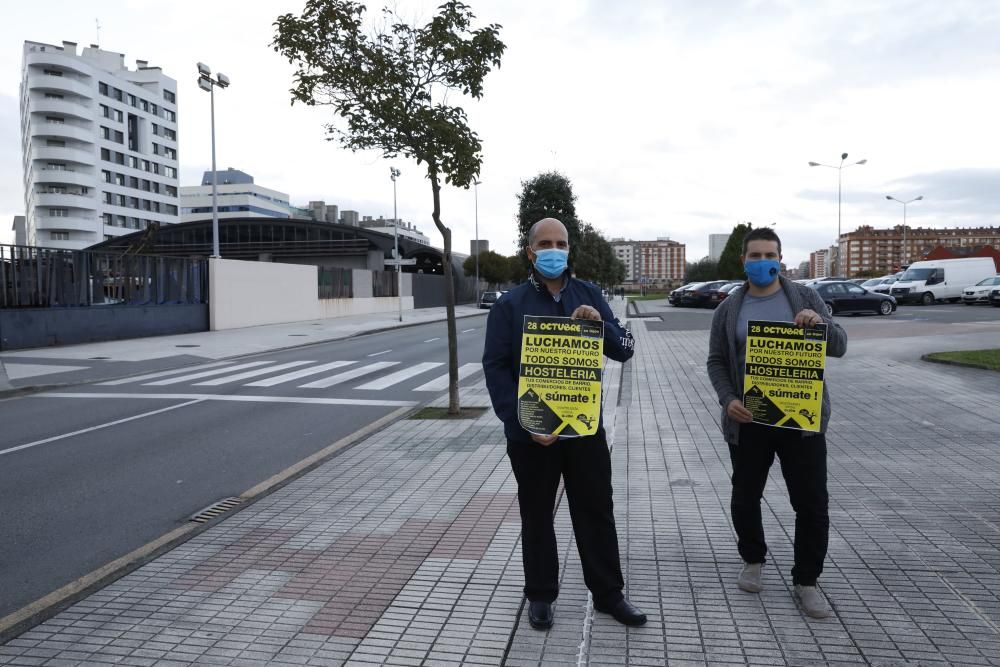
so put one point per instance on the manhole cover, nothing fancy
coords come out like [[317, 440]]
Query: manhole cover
[[187, 345]]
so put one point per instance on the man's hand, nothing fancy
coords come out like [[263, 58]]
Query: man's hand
[[544, 440], [586, 313], [807, 318], [738, 412]]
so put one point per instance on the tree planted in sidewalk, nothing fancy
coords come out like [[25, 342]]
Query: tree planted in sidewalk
[[389, 84], [729, 262], [493, 267], [548, 195]]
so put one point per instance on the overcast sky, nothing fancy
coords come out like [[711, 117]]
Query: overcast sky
[[672, 119]]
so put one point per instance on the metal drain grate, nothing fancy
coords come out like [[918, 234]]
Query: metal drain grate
[[215, 509]]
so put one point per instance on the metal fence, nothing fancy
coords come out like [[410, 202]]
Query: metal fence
[[48, 277], [335, 283]]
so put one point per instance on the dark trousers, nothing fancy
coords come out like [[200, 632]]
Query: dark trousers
[[585, 467], [803, 465]]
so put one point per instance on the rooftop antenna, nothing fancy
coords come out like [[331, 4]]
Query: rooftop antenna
[[97, 23]]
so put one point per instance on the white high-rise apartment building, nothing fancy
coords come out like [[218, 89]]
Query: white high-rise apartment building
[[716, 244], [99, 145]]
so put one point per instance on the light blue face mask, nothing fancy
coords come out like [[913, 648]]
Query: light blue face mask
[[551, 262], [762, 272]]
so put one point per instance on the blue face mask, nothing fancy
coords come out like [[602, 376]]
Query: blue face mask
[[551, 262], [762, 272]]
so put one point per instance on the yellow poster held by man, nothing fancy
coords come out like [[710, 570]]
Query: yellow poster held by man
[[783, 382], [559, 385]]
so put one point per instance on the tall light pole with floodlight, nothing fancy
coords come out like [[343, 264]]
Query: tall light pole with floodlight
[[207, 83], [840, 168], [475, 189], [904, 203], [394, 174]]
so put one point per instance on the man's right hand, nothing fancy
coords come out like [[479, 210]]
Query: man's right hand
[[738, 412], [544, 440]]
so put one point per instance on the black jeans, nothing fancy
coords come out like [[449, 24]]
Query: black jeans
[[585, 467], [803, 465]]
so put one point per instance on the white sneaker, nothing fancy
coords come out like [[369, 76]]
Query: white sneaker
[[812, 601], [749, 579]]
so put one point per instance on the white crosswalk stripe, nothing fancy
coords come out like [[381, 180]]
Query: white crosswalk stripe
[[205, 374], [399, 376], [441, 383], [349, 375], [250, 374], [160, 374], [295, 375]]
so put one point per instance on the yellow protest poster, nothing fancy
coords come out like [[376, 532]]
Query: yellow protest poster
[[559, 385], [783, 381]]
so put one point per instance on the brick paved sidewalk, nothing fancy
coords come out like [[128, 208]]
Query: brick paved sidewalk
[[405, 548]]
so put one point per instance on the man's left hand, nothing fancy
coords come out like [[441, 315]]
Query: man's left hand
[[586, 313], [807, 318]]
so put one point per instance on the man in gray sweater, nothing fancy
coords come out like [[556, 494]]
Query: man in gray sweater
[[752, 447]]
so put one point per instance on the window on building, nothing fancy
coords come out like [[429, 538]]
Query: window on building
[[59, 236], [169, 96], [55, 166], [133, 182], [120, 179], [156, 130], [107, 198], [58, 143], [105, 132], [119, 157], [170, 172], [55, 120], [170, 209], [53, 96], [106, 175], [156, 148], [133, 161], [58, 212], [131, 101], [170, 134], [133, 132], [119, 221], [120, 200], [52, 72], [118, 115], [106, 155], [145, 184], [102, 88], [108, 219], [118, 95]]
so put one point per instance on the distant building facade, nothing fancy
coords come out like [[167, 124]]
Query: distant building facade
[[882, 251], [484, 246], [716, 244], [656, 262], [238, 195], [99, 144], [819, 263]]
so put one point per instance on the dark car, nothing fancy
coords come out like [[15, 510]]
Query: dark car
[[675, 296], [700, 296], [845, 297], [995, 298], [719, 294], [487, 299]]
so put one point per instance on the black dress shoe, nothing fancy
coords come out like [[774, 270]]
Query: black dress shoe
[[624, 612], [540, 614]]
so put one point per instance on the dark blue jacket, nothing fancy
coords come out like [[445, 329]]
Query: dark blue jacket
[[502, 351]]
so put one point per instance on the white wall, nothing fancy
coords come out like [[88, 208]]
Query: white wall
[[246, 294]]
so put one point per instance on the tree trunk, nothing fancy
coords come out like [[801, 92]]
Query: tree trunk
[[454, 405]]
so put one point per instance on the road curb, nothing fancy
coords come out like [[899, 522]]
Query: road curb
[[14, 392], [960, 364], [46, 607]]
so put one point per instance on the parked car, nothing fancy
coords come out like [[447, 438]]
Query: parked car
[[941, 279], [843, 297], [726, 290], [980, 292], [703, 295], [675, 296], [487, 299], [995, 298], [885, 286]]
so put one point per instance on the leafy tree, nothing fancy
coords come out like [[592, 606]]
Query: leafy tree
[[729, 263], [548, 195], [516, 269], [391, 88], [702, 271], [595, 259], [493, 267]]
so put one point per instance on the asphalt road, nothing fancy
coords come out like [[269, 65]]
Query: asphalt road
[[92, 472]]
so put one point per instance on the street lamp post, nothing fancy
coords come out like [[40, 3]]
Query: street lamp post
[[207, 83], [840, 169], [904, 203], [475, 189], [393, 174]]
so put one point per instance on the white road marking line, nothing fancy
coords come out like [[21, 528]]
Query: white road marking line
[[467, 330], [348, 375], [431, 340], [160, 374], [295, 375], [251, 374], [399, 376], [242, 399], [441, 383], [16, 371], [205, 374], [99, 426], [380, 353]]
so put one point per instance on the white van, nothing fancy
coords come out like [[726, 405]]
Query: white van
[[941, 279]]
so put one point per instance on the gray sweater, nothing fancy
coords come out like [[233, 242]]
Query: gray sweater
[[724, 369]]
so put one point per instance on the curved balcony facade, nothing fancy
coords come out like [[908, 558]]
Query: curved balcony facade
[[36, 80], [66, 200], [64, 107], [64, 154], [47, 129], [67, 223]]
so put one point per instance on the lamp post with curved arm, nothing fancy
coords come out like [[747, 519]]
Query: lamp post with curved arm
[[905, 254], [840, 168]]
